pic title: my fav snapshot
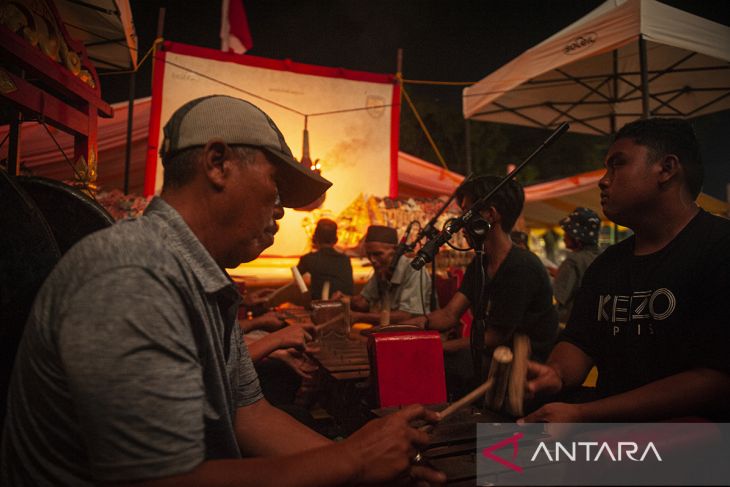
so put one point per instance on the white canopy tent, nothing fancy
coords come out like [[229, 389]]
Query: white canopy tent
[[625, 60]]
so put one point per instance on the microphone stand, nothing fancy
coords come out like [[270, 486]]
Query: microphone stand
[[479, 310], [429, 250]]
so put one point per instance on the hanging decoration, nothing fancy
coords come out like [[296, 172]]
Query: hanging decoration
[[313, 165]]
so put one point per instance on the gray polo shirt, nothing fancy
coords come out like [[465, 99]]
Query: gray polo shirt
[[131, 365], [410, 290]]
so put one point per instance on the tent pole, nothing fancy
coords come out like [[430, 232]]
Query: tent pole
[[467, 143], [161, 22], [644, 78], [130, 117]]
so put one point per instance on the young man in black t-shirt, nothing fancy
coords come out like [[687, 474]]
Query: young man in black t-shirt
[[651, 310], [517, 296]]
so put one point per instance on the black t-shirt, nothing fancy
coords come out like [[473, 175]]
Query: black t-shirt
[[518, 298], [642, 318], [327, 264]]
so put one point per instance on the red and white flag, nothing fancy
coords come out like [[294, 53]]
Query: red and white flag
[[235, 35]]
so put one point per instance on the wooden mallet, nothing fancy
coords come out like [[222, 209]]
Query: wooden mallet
[[518, 376], [497, 380]]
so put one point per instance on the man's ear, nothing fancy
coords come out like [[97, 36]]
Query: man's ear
[[491, 215], [215, 154], [669, 167]]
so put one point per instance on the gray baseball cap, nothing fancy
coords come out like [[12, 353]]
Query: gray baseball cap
[[239, 122]]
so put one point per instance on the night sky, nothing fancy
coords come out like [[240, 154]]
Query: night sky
[[445, 40]]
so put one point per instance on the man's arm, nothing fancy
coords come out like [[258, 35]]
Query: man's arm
[[566, 368], [256, 297], [357, 302], [493, 338], [293, 336], [448, 316], [269, 321], [377, 453], [695, 392], [263, 430]]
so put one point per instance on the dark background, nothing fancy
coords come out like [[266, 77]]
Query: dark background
[[443, 41]]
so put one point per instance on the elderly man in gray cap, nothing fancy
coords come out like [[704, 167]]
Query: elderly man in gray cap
[[132, 369]]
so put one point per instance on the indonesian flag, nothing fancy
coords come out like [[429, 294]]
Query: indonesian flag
[[235, 35]]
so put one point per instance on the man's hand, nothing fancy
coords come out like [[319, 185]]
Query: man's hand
[[338, 295], [296, 335], [254, 298], [542, 379], [555, 412], [298, 361], [357, 302], [384, 447], [269, 321], [419, 321]]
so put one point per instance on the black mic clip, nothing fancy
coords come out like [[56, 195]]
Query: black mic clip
[[431, 248]]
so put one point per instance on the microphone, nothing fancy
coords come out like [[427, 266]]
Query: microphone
[[402, 247], [429, 250]]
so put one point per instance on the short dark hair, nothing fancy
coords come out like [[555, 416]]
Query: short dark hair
[[508, 201], [664, 136], [325, 232], [180, 167]]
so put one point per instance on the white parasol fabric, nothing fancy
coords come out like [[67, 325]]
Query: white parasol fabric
[[589, 73]]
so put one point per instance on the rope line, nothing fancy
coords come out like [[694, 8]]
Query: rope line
[[423, 126], [438, 83], [259, 97]]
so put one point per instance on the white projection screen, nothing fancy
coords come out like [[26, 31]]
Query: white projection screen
[[352, 120]]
